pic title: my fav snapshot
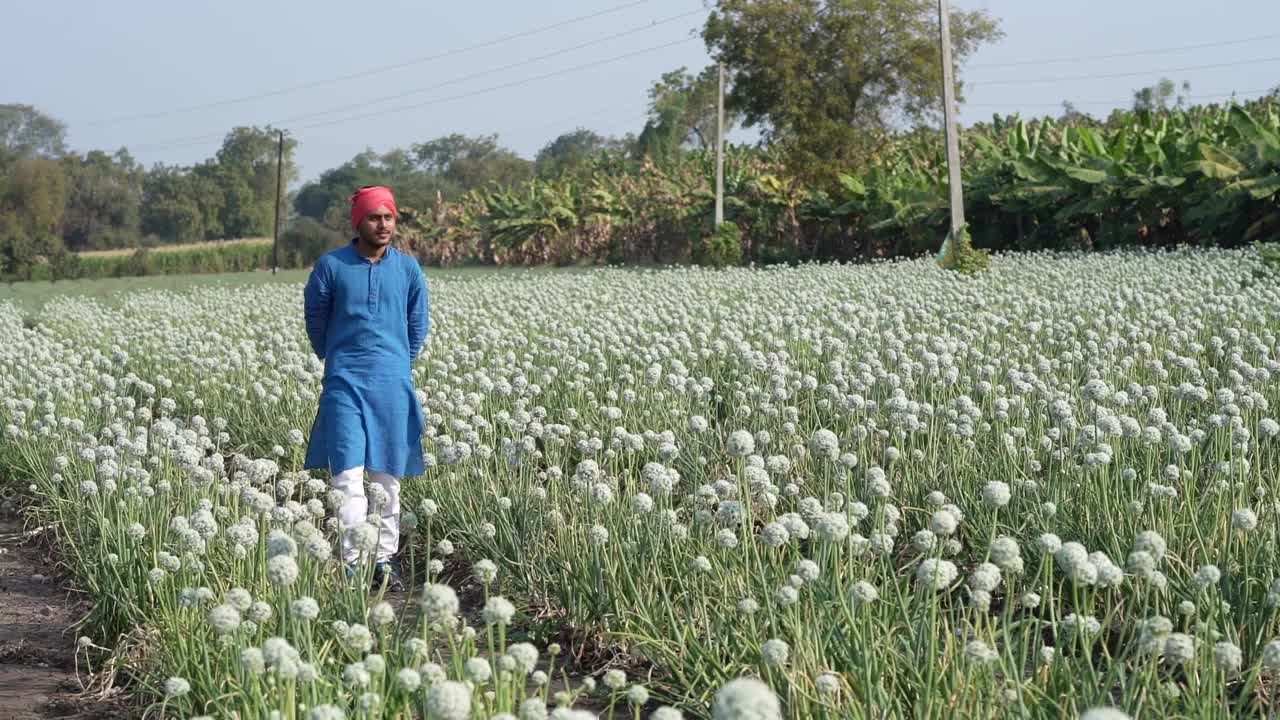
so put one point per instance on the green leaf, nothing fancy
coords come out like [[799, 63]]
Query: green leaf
[[852, 185], [1253, 131], [1217, 163], [1085, 175], [1258, 188]]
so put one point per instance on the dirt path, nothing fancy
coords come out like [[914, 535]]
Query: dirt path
[[37, 673]]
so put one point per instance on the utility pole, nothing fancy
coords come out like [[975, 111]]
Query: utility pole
[[720, 152], [949, 118], [275, 243]]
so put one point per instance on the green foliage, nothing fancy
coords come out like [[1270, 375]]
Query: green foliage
[[959, 254], [825, 78], [305, 240], [685, 106], [33, 192], [573, 153], [104, 207], [230, 257], [25, 132], [722, 247], [1270, 254]]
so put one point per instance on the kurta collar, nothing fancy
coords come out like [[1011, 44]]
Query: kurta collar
[[385, 255]]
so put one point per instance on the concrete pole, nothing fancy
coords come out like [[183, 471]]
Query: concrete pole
[[949, 118], [720, 152]]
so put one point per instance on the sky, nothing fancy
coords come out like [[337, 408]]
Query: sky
[[168, 79]]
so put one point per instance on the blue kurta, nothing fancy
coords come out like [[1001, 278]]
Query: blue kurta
[[366, 321]]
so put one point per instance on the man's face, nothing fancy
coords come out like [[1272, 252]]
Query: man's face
[[376, 227]]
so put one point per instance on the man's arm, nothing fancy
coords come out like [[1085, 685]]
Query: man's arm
[[419, 316], [317, 302]]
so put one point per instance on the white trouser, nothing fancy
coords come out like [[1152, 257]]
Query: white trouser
[[355, 510]]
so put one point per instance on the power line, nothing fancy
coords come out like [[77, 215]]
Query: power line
[[369, 71], [1067, 78], [1209, 96], [516, 83], [503, 86], [490, 71], [1135, 53], [195, 139]]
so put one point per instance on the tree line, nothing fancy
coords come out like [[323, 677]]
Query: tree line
[[828, 84]]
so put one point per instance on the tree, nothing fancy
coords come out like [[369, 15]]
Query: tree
[[820, 77], [472, 162], [1071, 115], [181, 205], [573, 151], [33, 194], [700, 96], [26, 131], [1157, 97], [327, 199], [245, 169], [104, 205]]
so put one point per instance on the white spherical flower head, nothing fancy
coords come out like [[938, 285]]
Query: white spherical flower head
[[1227, 657], [477, 670], [176, 687], [746, 699], [774, 535], [774, 652], [598, 535], [827, 684], [824, 444], [1150, 541], [1179, 648], [439, 602], [985, 577], [448, 700], [1104, 713], [1244, 520], [239, 598], [740, 443], [358, 638], [525, 656], [996, 494], [326, 712], [1207, 576], [1271, 656], [641, 503], [224, 619], [498, 610], [1049, 543], [637, 695], [936, 574], [485, 571], [305, 608], [864, 592], [363, 537], [832, 527], [533, 709], [375, 663], [382, 614], [282, 570], [615, 679], [666, 712], [943, 523], [977, 651]]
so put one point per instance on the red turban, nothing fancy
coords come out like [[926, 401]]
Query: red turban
[[368, 199]]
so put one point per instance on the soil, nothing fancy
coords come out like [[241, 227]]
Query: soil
[[37, 649]]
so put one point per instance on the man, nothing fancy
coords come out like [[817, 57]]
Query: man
[[366, 315]]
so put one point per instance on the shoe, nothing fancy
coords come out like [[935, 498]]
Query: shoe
[[384, 574]]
